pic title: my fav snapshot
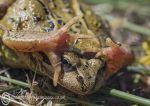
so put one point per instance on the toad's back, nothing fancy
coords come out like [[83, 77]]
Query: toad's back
[[50, 15]]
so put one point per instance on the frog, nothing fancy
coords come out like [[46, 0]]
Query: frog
[[85, 56]]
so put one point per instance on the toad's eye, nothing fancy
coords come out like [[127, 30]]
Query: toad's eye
[[64, 61], [66, 65]]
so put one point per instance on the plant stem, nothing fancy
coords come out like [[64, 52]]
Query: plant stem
[[126, 96], [20, 83]]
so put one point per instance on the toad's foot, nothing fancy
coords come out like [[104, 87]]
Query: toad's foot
[[116, 55], [32, 41]]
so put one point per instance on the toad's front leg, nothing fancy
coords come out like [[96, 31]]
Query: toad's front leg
[[32, 41]]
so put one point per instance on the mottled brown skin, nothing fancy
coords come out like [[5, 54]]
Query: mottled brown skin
[[83, 77]]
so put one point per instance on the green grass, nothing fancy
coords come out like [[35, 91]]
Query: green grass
[[108, 91]]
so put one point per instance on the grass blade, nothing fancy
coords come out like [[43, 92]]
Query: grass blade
[[126, 96]]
